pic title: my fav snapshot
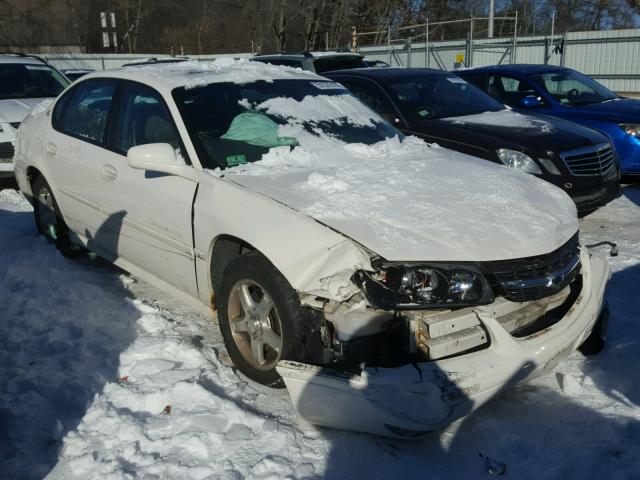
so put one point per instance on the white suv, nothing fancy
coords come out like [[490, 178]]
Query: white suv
[[25, 81], [394, 286]]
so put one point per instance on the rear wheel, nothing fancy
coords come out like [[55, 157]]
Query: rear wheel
[[262, 321], [49, 221]]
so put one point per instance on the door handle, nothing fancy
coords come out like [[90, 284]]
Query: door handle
[[51, 149], [109, 173]]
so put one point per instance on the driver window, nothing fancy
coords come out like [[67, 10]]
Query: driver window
[[143, 118], [510, 90]]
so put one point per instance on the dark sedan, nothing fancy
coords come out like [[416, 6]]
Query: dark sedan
[[565, 93], [443, 108]]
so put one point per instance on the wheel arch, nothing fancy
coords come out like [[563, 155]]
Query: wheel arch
[[223, 249], [32, 174]]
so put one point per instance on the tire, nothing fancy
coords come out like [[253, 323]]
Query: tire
[[272, 305], [49, 221]]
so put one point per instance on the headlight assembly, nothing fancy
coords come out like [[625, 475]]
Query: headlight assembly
[[422, 286], [518, 161], [632, 129]]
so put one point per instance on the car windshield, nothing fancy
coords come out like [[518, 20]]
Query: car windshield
[[440, 96], [231, 124], [19, 80], [572, 88]]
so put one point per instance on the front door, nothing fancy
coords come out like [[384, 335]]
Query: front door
[[147, 215]]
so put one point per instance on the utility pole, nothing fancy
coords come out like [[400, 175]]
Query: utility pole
[[492, 7]]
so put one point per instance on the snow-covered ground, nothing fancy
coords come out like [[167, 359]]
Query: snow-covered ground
[[102, 376]]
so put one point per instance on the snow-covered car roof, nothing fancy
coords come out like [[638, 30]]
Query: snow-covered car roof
[[193, 73], [16, 58], [329, 53]]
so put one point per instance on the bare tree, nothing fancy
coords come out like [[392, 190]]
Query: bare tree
[[133, 12]]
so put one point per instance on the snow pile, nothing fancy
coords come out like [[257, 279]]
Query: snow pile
[[338, 109], [135, 390], [506, 118]]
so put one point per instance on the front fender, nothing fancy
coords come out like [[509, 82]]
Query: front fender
[[314, 259]]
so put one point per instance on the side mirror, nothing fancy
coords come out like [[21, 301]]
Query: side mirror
[[530, 101], [159, 157]]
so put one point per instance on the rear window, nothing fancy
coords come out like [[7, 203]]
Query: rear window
[[83, 112], [19, 80], [280, 61], [338, 63]]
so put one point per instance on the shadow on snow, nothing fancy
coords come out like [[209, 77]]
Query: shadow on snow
[[62, 334]]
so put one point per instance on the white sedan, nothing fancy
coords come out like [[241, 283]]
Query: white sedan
[[25, 81], [391, 285]]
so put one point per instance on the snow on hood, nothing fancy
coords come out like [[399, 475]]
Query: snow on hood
[[506, 118], [15, 110], [409, 201]]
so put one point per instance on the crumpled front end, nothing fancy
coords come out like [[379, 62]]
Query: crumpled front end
[[480, 350]]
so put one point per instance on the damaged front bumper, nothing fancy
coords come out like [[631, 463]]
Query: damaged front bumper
[[415, 399]]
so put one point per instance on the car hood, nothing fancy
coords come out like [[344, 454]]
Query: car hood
[[411, 201], [533, 131], [623, 110], [14, 110]]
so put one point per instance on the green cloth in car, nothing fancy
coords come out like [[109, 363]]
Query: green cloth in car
[[255, 128]]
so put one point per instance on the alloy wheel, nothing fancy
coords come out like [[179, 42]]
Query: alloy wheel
[[255, 324]]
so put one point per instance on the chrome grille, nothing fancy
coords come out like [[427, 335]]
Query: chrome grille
[[533, 278], [593, 160]]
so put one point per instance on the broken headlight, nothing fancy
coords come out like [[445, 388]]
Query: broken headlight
[[420, 286]]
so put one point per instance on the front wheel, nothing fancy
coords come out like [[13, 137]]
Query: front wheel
[[49, 221], [261, 319]]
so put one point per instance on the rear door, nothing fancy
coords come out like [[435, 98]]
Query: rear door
[[147, 215], [75, 151]]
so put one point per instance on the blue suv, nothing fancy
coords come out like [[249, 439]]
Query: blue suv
[[568, 94]]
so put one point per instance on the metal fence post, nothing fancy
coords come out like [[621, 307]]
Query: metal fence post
[[102, 59], [514, 52], [546, 50], [389, 44], [426, 44], [469, 62]]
